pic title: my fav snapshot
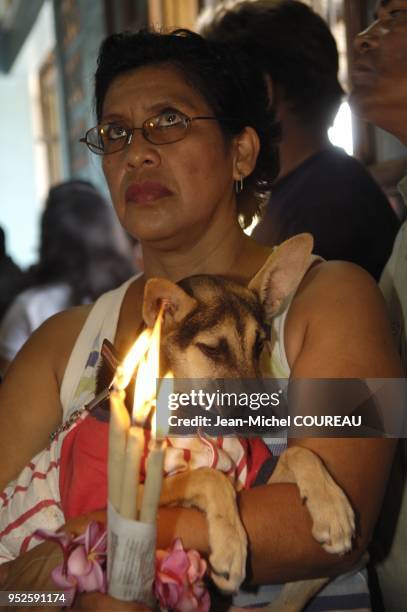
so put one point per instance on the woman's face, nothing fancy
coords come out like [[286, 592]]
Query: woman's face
[[169, 192]]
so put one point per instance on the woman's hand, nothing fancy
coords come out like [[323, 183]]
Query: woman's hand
[[97, 601], [32, 570], [76, 526]]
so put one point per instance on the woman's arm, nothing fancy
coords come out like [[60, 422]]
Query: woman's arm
[[30, 408], [337, 328]]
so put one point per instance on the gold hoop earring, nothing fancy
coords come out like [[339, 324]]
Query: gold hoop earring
[[239, 184]]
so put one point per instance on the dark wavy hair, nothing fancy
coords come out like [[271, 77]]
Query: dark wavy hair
[[291, 43], [230, 85], [81, 243]]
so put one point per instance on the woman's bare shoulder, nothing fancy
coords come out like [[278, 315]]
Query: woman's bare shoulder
[[339, 289], [339, 314], [58, 335]]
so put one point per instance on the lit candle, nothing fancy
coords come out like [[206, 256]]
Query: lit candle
[[135, 446], [118, 459], [134, 453], [119, 425], [155, 460], [131, 544], [126, 444], [154, 477], [153, 484]]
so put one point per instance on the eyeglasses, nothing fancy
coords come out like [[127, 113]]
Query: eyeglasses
[[167, 127]]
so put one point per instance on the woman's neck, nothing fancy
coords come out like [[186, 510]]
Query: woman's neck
[[230, 253]]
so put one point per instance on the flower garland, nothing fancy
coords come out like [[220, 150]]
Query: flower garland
[[178, 586]]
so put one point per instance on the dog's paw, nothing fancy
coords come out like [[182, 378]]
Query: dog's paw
[[212, 492], [228, 542], [332, 516], [227, 537]]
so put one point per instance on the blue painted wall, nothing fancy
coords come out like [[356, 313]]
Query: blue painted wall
[[22, 179]]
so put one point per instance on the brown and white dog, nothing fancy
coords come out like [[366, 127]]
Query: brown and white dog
[[215, 328]]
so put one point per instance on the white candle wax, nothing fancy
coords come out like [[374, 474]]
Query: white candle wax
[[118, 428], [134, 453], [153, 483]]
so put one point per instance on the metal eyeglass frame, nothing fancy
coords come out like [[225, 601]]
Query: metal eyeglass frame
[[187, 122]]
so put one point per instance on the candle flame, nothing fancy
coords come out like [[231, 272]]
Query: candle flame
[[153, 358], [147, 374], [144, 392], [160, 429], [126, 369]]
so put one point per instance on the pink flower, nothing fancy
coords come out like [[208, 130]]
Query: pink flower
[[84, 558], [179, 580]]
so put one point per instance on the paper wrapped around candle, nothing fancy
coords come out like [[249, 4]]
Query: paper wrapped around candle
[[130, 558], [119, 426], [153, 483], [134, 452]]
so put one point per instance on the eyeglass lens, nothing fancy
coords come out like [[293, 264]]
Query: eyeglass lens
[[111, 137]]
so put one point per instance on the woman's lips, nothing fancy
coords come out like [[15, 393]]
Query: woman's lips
[[363, 74], [144, 193]]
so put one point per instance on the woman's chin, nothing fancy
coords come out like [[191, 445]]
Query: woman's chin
[[148, 230]]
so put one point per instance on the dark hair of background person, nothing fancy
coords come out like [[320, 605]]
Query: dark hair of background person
[[292, 44], [11, 277], [225, 79], [80, 243]]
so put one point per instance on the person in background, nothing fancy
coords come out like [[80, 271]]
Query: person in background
[[380, 96], [320, 189], [10, 277], [83, 253]]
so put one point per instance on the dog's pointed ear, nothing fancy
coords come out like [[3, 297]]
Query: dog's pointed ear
[[282, 272], [178, 302]]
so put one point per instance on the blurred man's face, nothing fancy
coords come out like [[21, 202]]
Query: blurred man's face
[[380, 77]]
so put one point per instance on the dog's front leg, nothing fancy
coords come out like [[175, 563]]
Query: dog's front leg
[[333, 522], [331, 513], [211, 492]]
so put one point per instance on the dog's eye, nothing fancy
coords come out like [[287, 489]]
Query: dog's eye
[[218, 351], [206, 349]]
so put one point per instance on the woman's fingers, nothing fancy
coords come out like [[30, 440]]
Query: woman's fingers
[[78, 525]]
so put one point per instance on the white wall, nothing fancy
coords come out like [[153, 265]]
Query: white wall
[[23, 177]]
